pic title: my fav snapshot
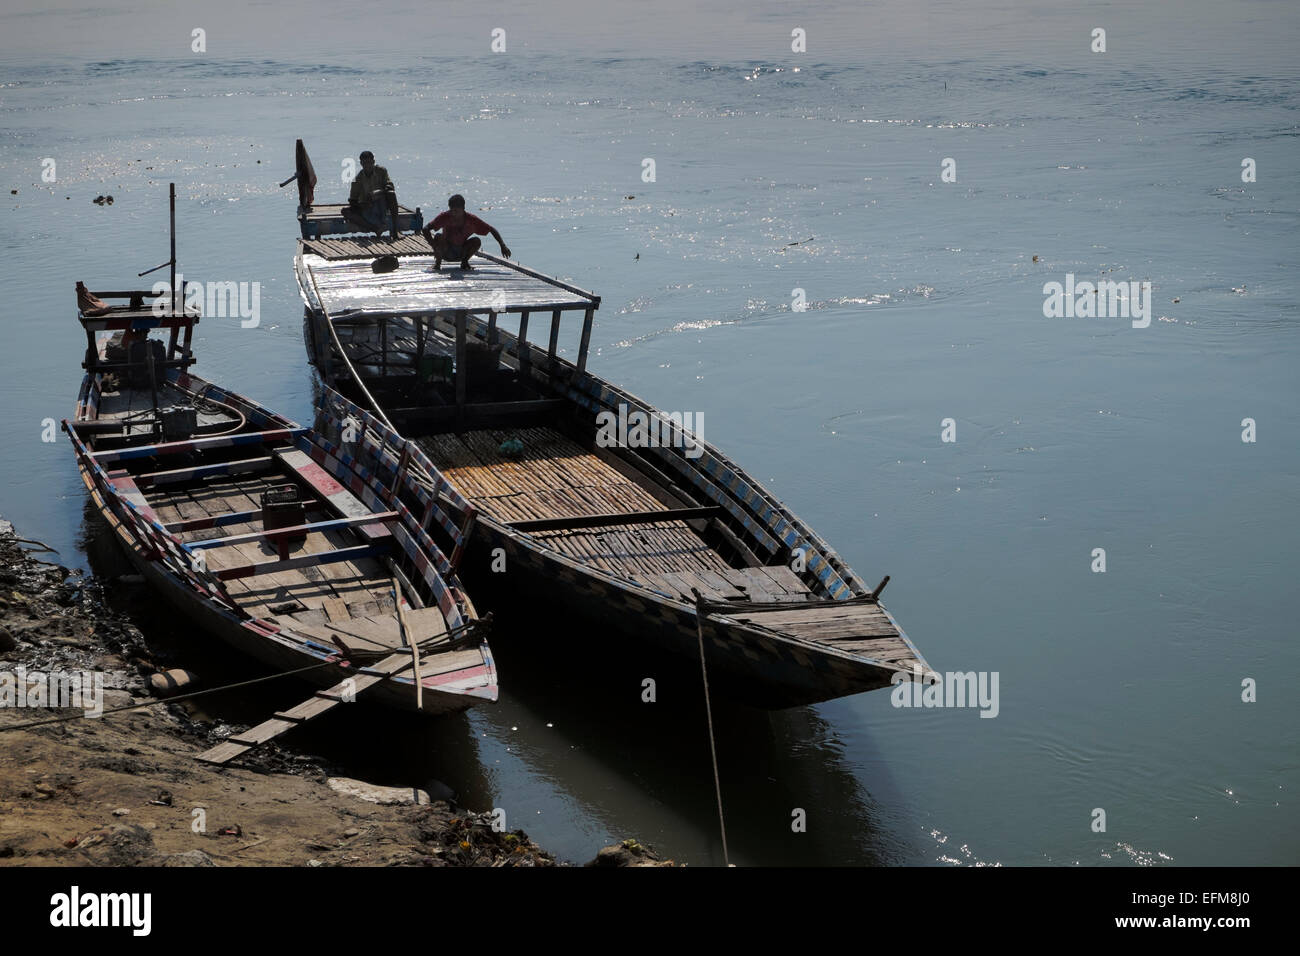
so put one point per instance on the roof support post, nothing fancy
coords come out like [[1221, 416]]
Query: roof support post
[[460, 356], [525, 359], [586, 341], [555, 336]]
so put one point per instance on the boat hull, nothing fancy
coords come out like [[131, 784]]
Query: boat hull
[[278, 647], [755, 664], [747, 664], [233, 630]]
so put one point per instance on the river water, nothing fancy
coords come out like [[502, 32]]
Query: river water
[[777, 171]]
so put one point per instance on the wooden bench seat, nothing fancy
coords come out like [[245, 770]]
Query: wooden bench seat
[[322, 483]]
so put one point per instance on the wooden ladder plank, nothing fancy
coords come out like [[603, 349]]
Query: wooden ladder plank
[[321, 702]]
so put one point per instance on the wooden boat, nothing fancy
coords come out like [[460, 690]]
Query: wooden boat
[[278, 539], [665, 542]]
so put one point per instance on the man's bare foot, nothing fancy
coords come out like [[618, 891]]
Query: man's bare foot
[[437, 264], [466, 266]]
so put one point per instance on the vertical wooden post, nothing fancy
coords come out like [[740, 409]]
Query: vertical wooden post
[[586, 340], [460, 356], [492, 328], [525, 350], [555, 336], [419, 344], [383, 345], [172, 286]]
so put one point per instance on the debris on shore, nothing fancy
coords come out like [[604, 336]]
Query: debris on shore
[[125, 789]]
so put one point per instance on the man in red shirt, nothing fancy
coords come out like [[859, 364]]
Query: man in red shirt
[[459, 236]]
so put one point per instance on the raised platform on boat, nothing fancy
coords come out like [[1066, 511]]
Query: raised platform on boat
[[326, 219], [341, 285]]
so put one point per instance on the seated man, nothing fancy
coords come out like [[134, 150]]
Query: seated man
[[373, 199], [458, 237]]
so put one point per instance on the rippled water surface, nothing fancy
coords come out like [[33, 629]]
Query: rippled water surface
[[778, 172]]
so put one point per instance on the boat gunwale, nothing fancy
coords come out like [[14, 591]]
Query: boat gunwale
[[108, 503]]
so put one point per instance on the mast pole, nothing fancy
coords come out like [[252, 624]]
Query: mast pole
[[173, 231]]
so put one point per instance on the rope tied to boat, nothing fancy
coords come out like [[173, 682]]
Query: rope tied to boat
[[172, 700], [708, 711], [453, 638]]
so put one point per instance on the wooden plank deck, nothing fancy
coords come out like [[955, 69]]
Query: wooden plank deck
[[852, 627], [557, 478], [351, 600], [354, 247], [124, 402]]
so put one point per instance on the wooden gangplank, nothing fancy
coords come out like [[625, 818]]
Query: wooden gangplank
[[322, 702]]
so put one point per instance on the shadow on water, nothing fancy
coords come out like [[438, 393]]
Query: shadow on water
[[589, 684], [620, 759]]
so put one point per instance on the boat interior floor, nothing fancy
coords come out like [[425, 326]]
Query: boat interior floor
[[555, 477], [352, 600], [134, 408]]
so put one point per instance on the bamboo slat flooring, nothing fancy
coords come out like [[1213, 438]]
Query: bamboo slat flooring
[[555, 478]]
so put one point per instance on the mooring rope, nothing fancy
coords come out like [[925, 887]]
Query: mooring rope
[[168, 700], [708, 711], [426, 644]]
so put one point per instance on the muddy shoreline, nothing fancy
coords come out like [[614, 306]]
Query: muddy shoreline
[[124, 789]]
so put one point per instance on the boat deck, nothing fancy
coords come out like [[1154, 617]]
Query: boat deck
[[556, 478], [355, 247], [343, 285], [852, 627], [126, 403], [351, 600]]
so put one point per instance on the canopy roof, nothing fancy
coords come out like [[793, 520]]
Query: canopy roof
[[344, 286]]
